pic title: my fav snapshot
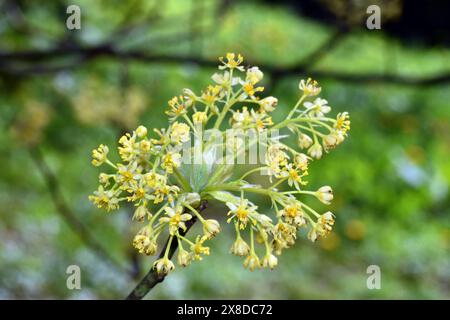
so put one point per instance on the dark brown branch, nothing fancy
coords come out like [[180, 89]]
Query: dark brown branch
[[67, 214], [152, 278], [321, 51], [89, 53]]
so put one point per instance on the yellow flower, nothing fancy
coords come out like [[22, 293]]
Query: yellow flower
[[342, 122], [242, 212], [127, 176], [211, 95], [293, 214], [294, 177], [261, 120], [154, 179], [309, 87], [318, 108], [176, 108], [322, 227], [241, 119], [170, 161], [330, 141], [250, 90], [275, 159], [162, 191], [199, 117], [224, 80], [100, 155], [301, 161], [179, 133], [104, 178], [285, 233], [145, 146], [147, 172], [232, 62], [189, 97], [175, 218], [127, 150], [326, 221], [105, 199], [198, 249], [144, 243]]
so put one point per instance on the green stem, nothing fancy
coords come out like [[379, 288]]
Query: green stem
[[250, 172], [310, 209], [227, 107], [197, 214], [296, 106], [278, 183]]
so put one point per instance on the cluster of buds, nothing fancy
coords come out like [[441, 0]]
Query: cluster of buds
[[167, 190]]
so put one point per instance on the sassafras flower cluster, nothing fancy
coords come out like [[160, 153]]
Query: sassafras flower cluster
[[167, 191]]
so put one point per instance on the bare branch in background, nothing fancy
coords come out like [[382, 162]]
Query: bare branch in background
[[95, 52], [68, 215]]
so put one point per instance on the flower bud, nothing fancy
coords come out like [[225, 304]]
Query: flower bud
[[252, 262], [103, 178], [312, 234], [339, 137], [262, 236], [140, 213], [163, 266], [278, 245], [304, 141], [301, 161], [183, 258], [189, 97], [330, 141], [240, 247], [315, 151], [211, 228], [199, 117], [188, 93], [263, 219], [325, 194], [141, 131], [268, 104], [254, 75], [192, 199], [270, 261]]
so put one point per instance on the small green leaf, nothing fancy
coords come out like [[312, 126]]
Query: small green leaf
[[224, 196]]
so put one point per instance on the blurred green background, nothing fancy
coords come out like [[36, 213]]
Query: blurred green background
[[63, 92]]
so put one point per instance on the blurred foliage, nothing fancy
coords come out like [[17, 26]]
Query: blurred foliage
[[391, 177]]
